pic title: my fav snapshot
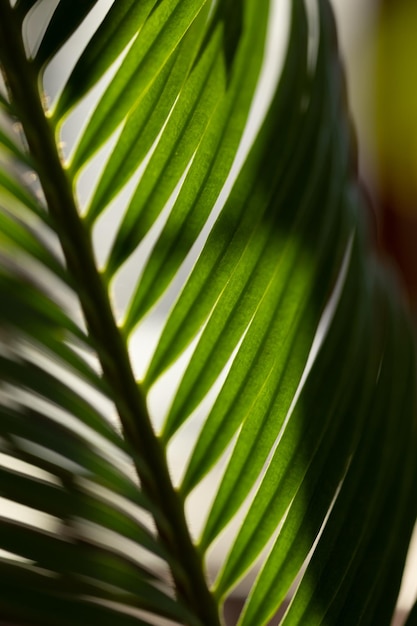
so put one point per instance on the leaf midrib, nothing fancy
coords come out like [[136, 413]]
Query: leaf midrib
[[148, 453]]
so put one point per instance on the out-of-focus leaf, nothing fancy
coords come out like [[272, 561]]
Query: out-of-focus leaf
[[23, 7], [50, 601], [45, 315], [27, 376], [18, 192], [68, 15], [23, 426], [379, 439], [20, 235], [74, 505], [7, 142], [412, 618], [74, 558]]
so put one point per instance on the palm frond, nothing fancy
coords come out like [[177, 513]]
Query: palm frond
[[284, 307]]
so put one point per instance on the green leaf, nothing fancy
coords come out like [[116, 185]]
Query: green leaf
[[296, 326], [7, 141], [146, 58], [50, 601], [286, 318], [28, 376], [69, 449], [122, 22], [299, 446], [45, 315], [75, 505], [213, 268], [141, 130], [15, 189], [63, 23], [379, 439], [25, 239], [207, 173], [75, 558]]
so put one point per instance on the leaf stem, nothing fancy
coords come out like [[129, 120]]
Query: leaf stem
[[150, 460]]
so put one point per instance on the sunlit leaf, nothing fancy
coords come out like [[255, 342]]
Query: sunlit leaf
[[301, 356]]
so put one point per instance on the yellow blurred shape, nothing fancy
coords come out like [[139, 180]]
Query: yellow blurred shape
[[395, 103]]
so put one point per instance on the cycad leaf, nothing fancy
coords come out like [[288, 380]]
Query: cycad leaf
[[52, 601], [207, 173], [33, 492], [70, 447], [361, 531], [22, 7], [75, 558], [304, 464], [9, 143], [62, 25], [47, 603], [109, 541], [260, 398], [300, 447], [45, 315], [24, 239], [146, 58], [205, 284], [48, 426], [28, 376], [140, 132], [122, 23], [9, 184], [233, 257]]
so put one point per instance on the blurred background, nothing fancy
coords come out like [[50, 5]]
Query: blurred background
[[379, 43]]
